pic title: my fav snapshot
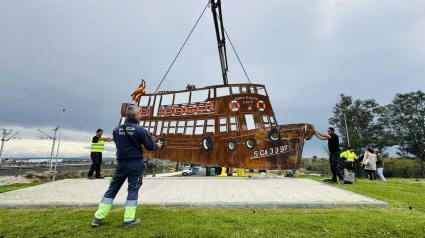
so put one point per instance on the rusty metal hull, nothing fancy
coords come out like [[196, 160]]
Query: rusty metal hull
[[266, 155], [232, 128]]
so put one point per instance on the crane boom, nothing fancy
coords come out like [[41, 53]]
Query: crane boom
[[221, 40]]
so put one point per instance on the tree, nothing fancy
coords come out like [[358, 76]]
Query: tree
[[363, 123], [405, 116]]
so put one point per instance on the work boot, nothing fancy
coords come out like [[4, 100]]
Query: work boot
[[341, 181], [130, 223], [90, 177], [95, 222]]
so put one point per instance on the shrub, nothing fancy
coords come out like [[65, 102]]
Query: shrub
[[393, 167], [29, 175], [402, 167], [41, 177]]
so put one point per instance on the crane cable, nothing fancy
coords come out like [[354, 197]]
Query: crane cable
[[182, 46]]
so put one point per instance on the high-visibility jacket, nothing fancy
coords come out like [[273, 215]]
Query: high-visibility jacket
[[97, 147], [350, 156]]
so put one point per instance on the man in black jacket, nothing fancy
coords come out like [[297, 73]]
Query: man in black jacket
[[334, 151], [128, 139]]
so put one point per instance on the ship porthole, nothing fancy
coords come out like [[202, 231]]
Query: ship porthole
[[207, 143], [274, 135], [232, 145], [250, 143], [163, 141]]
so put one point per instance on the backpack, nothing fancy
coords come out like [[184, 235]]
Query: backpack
[[349, 176]]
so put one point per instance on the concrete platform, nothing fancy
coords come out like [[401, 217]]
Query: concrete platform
[[193, 191]]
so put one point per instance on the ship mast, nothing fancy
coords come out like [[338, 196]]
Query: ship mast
[[221, 41]]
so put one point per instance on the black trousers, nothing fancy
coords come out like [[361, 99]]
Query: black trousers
[[96, 158], [372, 174], [334, 163], [349, 165]]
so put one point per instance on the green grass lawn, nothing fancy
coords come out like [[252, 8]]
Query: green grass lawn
[[14, 186], [396, 221]]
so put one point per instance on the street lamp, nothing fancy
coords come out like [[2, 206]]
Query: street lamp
[[57, 152], [346, 129]]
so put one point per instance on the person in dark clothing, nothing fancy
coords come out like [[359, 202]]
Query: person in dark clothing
[[366, 173], [334, 152], [129, 139], [97, 147]]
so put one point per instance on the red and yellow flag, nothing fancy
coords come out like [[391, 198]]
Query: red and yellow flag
[[139, 92]]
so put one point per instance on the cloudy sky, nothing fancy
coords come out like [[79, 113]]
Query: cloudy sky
[[89, 56]]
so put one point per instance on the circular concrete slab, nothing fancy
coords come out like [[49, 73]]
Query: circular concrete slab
[[267, 192]]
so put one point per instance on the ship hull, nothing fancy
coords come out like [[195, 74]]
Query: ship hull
[[276, 148]]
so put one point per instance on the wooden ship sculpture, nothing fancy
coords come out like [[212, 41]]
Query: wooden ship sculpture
[[227, 125]]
